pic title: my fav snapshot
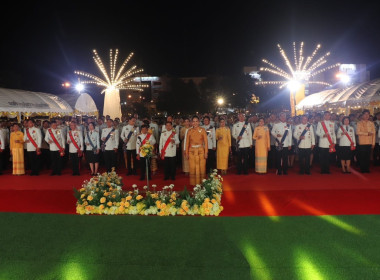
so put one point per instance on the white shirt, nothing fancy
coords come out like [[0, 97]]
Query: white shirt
[[131, 145], [2, 140], [246, 140], [323, 141], [377, 130], [140, 140], [309, 136], [58, 136], [77, 135], [279, 129], [94, 136], [343, 139], [211, 137], [35, 133], [5, 135], [171, 150], [113, 140]]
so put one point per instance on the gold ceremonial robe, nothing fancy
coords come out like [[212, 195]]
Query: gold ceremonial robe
[[17, 150], [223, 136]]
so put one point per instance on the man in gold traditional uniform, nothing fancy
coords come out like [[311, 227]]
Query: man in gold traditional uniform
[[196, 151]]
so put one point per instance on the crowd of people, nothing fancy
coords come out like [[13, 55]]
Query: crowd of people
[[195, 144]]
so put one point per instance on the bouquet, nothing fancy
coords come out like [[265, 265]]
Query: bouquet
[[146, 150]]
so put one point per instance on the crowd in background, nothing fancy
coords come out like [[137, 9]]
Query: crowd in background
[[262, 142]]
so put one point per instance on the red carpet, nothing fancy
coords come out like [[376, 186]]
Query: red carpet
[[244, 195]]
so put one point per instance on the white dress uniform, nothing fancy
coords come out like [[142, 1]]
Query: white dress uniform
[[94, 136], [176, 127], [343, 139], [77, 135], [154, 128], [131, 145], [113, 141], [140, 140], [2, 141], [246, 140], [211, 138], [58, 136], [323, 141], [309, 136], [279, 129], [36, 135], [171, 150], [324, 144]]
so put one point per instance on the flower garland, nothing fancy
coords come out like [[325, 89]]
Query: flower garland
[[103, 195]]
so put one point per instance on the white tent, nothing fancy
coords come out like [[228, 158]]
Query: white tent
[[364, 95], [14, 103], [83, 104]]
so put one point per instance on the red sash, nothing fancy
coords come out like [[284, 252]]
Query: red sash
[[167, 144], [332, 146], [32, 140], [146, 139], [61, 150], [349, 138], [75, 143]]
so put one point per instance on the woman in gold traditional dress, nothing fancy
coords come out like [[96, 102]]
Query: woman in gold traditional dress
[[262, 137], [196, 149], [182, 135], [223, 147], [17, 150]]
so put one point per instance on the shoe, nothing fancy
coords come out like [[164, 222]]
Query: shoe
[[52, 174], [285, 173], [278, 172], [307, 173], [301, 173], [142, 179], [348, 172], [166, 179], [173, 178]]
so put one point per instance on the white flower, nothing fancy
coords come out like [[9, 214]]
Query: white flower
[[204, 180], [145, 187], [153, 186], [134, 186]]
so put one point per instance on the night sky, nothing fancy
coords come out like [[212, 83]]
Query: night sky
[[42, 44]]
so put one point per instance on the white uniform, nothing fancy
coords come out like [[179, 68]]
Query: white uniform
[[5, 132], [377, 125], [94, 136], [35, 133], [176, 127], [2, 140], [140, 140], [113, 141], [58, 136], [279, 129], [246, 140], [171, 150], [131, 145], [343, 139], [64, 129], [154, 128], [323, 141], [78, 138], [309, 136], [211, 137]]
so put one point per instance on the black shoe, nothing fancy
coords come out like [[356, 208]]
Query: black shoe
[[301, 173], [166, 179], [142, 179], [285, 173], [279, 172], [307, 173]]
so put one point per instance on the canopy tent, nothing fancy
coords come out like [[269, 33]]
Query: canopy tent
[[15, 103], [364, 95], [83, 104]]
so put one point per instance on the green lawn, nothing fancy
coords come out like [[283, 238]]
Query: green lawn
[[46, 246]]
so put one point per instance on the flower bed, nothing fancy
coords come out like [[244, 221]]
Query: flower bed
[[103, 195]]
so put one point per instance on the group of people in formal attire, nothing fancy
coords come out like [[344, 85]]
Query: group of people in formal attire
[[196, 144]]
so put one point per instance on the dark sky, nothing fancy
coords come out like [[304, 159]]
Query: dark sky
[[42, 44]]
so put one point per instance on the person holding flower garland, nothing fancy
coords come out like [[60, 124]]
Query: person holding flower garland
[[147, 139], [196, 151]]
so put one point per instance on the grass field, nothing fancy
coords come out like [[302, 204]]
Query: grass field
[[48, 246]]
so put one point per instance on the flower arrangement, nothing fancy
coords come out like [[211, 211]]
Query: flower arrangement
[[146, 150], [103, 194]]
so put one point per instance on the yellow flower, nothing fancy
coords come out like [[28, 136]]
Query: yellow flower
[[82, 189], [89, 198], [82, 195], [109, 203], [101, 207], [121, 209], [114, 195], [139, 197], [129, 197], [213, 200], [154, 195], [126, 204], [102, 200]]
